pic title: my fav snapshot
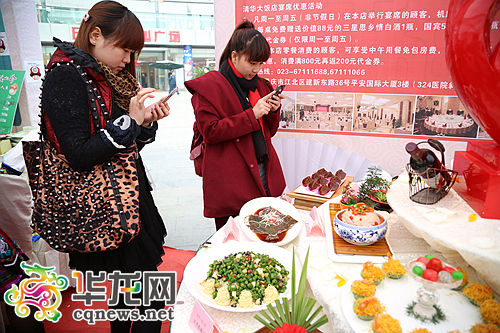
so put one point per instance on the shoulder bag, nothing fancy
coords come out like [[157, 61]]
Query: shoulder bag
[[89, 211]]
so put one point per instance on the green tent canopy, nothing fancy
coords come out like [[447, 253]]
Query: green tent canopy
[[166, 65]]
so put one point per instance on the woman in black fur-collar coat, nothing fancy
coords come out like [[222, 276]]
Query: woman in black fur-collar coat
[[109, 39]]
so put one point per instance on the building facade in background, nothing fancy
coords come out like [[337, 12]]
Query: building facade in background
[[169, 26]]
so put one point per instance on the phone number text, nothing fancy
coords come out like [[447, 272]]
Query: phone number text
[[320, 71]]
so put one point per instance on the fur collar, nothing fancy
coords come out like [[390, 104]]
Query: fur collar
[[79, 56]]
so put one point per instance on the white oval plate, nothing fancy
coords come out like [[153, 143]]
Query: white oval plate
[[197, 268], [283, 206]]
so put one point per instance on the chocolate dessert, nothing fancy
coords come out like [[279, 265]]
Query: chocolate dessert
[[322, 171], [340, 173], [306, 181], [324, 181], [324, 189], [313, 185]]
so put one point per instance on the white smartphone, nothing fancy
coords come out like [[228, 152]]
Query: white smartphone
[[159, 100], [169, 95]]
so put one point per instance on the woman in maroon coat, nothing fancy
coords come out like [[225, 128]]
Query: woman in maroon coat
[[237, 115]]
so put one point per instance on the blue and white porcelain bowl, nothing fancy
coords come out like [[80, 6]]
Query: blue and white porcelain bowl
[[359, 235]]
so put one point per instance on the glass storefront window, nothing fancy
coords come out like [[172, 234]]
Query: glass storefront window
[[149, 76], [47, 52], [177, 21], [73, 16], [60, 15]]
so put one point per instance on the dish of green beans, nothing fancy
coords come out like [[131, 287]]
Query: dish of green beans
[[248, 271]]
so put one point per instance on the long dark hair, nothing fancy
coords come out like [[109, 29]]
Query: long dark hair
[[118, 24], [249, 41]]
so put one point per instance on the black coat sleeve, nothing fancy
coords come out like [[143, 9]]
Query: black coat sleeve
[[65, 101], [147, 135]]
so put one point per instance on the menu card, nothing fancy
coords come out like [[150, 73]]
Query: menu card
[[201, 322]]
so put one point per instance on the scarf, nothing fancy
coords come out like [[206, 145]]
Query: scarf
[[248, 95], [124, 85]]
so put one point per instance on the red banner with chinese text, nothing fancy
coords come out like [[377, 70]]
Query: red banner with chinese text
[[394, 47], [362, 65]]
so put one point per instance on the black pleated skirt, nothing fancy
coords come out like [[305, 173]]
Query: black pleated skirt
[[143, 253]]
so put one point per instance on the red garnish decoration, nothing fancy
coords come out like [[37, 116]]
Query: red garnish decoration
[[290, 328]]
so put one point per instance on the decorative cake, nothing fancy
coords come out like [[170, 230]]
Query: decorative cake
[[490, 312], [366, 308], [393, 268], [269, 224], [372, 273], [477, 293], [484, 328], [384, 323], [363, 288]]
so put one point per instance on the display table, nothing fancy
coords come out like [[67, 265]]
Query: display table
[[446, 228], [322, 278], [15, 210], [15, 220], [448, 124]]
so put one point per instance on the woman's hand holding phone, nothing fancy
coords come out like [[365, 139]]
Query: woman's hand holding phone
[[276, 98], [156, 112], [262, 107], [275, 101], [145, 116], [159, 110], [136, 109]]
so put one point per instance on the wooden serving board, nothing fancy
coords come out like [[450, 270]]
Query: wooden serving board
[[308, 201], [380, 248]]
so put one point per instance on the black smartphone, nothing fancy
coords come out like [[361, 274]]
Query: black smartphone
[[168, 96], [279, 89]]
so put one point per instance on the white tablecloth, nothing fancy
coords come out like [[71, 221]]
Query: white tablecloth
[[321, 277], [15, 220], [445, 226], [15, 210], [322, 271], [448, 124]]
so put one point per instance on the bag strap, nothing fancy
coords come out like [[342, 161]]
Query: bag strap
[[92, 92]]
